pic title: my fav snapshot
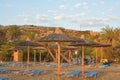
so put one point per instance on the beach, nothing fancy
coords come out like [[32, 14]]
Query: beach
[[50, 72]]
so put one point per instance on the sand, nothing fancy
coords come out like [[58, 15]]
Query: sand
[[50, 72]]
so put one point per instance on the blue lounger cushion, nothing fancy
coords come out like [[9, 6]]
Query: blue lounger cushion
[[90, 74], [35, 72], [4, 70], [74, 73], [3, 78], [23, 71], [105, 65]]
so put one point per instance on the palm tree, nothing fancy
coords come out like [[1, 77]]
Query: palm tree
[[117, 34], [31, 35], [13, 33], [108, 35], [5, 51], [2, 34]]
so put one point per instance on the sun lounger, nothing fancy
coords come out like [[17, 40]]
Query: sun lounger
[[91, 74], [51, 65], [4, 70], [74, 73], [105, 65], [64, 64], [23, 72], [3, 78], [35, 72]]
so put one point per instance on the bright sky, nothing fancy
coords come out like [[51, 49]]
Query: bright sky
[[71, 14]]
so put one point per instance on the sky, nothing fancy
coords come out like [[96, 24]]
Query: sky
[[70, 14]]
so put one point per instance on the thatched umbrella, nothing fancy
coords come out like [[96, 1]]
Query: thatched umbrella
[[38, 48], [83, 44], [58, 37], [18, 48], [28, 43]]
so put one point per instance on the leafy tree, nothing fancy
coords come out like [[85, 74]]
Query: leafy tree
[[5, 53], [13, 33], [108, 35]]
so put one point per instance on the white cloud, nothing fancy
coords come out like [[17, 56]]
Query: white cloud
[[102, 2], [94, 24], [77, 5], [24, 15], [9, 5], [42, 17], [95, 4], [76, 15], [86, 22], [85, 3], [53, 12], [59, 17], [118, 3], [85, 7], [111, 9], [62, 7], [29, 20]]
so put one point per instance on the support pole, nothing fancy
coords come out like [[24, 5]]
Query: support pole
[[34, 56], [58, 60], [40, 57], [69, 56], [83, 70], [28, 59], [96, 59]]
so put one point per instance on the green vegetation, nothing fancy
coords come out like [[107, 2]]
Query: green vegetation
[[10, 35]]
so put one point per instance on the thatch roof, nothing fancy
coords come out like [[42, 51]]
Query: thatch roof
[[84, 43], [62, 47], [18, 48], [58, 36], [28, 43], [98, 44], [54, 46], [70, 48], [89, 43], [40, 48]]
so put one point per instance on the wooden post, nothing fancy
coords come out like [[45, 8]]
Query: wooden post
[[101, 52], [69, 56], [56, 55], [28, 59], [58, 60], [96, 59], [64, 57], [83, 70], [40, 57], [51, 54], [34, 57]]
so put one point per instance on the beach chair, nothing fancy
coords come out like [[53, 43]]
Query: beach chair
[[74, 73], [64, 64], [91, 74], [3, 78], [4, 70], [23, 71], [51, 65], [107, 64], [35, 72]]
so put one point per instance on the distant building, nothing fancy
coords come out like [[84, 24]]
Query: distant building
[[17, 56]]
